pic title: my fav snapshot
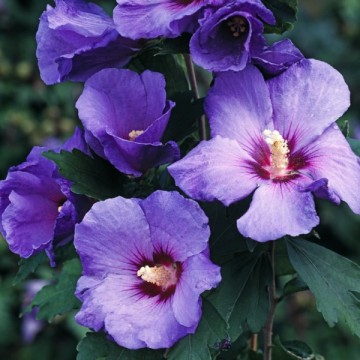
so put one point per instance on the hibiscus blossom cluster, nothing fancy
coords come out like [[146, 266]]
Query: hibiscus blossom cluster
[[271, 113]]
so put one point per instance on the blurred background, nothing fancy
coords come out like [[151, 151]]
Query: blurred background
[[34, 114]]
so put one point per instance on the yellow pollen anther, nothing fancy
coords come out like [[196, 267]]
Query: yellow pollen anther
[[238, 25], [159, 275], [279, 152], [134, 134]]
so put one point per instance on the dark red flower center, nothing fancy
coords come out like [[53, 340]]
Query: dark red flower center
[[159, 276]]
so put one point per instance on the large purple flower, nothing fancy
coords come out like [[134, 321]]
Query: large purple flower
[[36, 204], [76, 39], [229, 37], [125, 116], [277, 138], [146, 19], [145, 264]]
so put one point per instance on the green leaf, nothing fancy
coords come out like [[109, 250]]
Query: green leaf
[[333, 279], [28, 266], [57, 299], [292, 350], [282, 263], [210, 336], [171, 66], [179, 45], [95, 346], [344, 127], [183, 116], [225, 239], [294, 285], [285, 13], [91, 176], [242, 297], [355, 145]]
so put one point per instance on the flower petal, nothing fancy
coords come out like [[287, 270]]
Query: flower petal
[[238, 105], [138, 19], [278, 209], [100, 251], [307, 98], [216, 169], [29, 223], [104, 103], [132, 321], [330, 157], [199, 274], [180, 233]]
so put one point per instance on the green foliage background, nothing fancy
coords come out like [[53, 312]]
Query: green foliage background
[[32, 114]]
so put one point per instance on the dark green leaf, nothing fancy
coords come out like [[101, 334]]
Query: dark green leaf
[[344, 127], [285, 13], [169, 65], [28, 266], [225, 239], [91, 176], [293, 286], [59, 298], [282, 263], [179, 45], [210, 336], [183, 116], [95, 346], [333, 279], [292, 350], [355, 145], [242, 297]]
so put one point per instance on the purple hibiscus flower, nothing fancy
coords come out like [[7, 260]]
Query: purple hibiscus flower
[[146, 19], [30, 326], [145, 264], [277, 138], [36, 204], [125, 116], [228, 38], [76, 39]]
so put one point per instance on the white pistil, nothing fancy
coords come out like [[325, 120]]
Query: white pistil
[[134, 134], [279, 152], [237, 25], [159, 275], [59, 208]]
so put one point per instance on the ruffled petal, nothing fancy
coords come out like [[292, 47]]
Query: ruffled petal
[[138, 19], [102, 252], [135, 158], [105, 105], [132, 321], [279, 209], [199, 274], [238, 105], [29, 223], [216, 169], [179, 233], [330, 157], [307, 98]]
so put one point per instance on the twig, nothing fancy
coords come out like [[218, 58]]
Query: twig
[[273, 302], [195, 89]]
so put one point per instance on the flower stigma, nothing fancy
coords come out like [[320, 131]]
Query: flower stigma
[[237, 25], [134, 134], [160, 275], [279, 153]]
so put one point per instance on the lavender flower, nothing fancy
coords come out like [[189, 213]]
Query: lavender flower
[[30, 326], [145, 264], [76, 39], [229, 37], [277, 138], [125, 116], [138, 19], [36, 204]]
